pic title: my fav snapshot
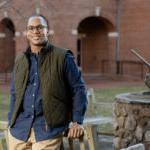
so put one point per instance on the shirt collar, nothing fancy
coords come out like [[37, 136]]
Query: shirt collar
[[47, 47]]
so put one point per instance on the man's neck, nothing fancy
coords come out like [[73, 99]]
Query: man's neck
[[36, 49]]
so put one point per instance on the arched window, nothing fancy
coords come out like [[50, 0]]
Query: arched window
[[93, 44], [7, 45]]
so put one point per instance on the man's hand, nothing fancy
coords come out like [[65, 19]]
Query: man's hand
[[76, 130]]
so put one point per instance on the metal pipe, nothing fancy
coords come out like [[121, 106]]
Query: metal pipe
[[141, 58], [118, 17]]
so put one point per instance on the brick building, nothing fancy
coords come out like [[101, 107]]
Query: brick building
[[99, 32]]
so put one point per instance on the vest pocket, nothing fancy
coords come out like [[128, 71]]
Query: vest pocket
[[57, 113]]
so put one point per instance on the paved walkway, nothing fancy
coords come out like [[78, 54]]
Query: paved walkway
[[113, 83], [104, 82], [4, 87]]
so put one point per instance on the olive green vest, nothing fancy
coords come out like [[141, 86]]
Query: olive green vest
[[54, 89]]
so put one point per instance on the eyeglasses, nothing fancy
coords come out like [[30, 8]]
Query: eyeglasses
[[38, 28]]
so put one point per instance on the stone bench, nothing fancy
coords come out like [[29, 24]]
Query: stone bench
[[132, 115], [135, 147]]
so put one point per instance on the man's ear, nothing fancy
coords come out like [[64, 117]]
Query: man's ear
[[26, 35], [47, 31]]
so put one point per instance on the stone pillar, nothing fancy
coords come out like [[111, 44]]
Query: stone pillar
[[132, 120]]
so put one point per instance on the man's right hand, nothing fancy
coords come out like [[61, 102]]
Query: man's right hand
[[76, 130]]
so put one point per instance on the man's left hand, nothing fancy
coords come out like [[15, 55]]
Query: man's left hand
[[76, 130]]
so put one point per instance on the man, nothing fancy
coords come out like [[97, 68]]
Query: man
[[47, 93]]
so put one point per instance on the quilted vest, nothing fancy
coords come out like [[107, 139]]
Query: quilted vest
[[56, 99]]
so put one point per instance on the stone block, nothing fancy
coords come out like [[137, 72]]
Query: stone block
[[139, 133], [130, 123], [135, 147]]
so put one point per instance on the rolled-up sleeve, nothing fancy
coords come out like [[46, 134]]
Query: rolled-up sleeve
[[77, 88]]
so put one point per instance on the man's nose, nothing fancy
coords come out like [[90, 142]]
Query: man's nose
[[35, 30]]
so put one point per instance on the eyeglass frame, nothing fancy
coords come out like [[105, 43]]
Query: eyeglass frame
[[38, 28]]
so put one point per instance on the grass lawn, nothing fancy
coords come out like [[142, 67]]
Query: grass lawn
[[103, 96], [4, 103], [108, 95]]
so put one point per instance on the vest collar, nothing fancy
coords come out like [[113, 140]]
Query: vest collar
[[47, 47]]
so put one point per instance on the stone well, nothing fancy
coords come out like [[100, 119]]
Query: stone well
[[132, 120]]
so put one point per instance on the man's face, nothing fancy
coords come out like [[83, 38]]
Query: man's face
[[37, 32]]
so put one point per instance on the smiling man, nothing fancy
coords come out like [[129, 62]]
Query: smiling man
[[47, 93]]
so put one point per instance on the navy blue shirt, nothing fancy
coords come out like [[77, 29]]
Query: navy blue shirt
[[31, 114]]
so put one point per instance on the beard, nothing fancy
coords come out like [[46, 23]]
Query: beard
[[38, 42], [43, 43]]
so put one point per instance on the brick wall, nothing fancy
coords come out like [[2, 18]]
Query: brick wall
[[65, 17], [135, 30]]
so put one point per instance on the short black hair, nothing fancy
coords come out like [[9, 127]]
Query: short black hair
[[41, 16]]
